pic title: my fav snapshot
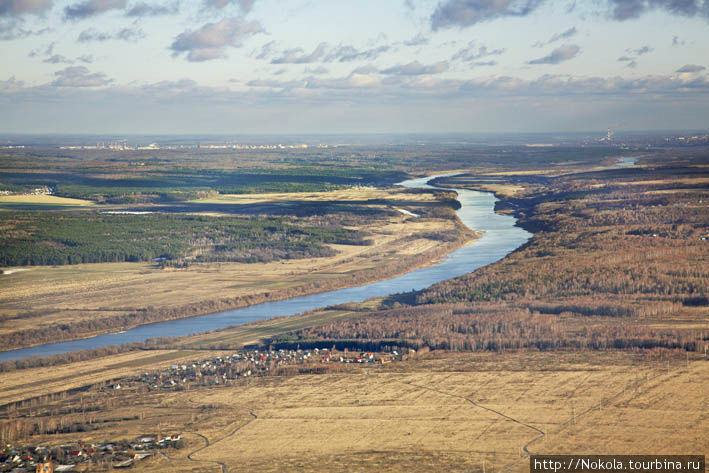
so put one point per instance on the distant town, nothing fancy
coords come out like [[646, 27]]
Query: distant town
[[610, 137]]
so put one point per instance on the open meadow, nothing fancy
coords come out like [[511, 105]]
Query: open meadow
[[436, 412]]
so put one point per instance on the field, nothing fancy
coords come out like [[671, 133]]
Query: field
[[59, 379], [438, 412], [91, 298], [591, 338], [42, 200]]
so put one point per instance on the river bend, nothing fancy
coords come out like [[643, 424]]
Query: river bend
[[500, 237]]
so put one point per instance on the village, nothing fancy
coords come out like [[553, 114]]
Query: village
[[81, 456], [225, 370]]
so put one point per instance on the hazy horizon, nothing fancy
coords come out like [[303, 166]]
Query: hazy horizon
[[312, 66]]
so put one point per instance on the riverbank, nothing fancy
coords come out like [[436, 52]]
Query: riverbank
[[395, 264], [74, 302]]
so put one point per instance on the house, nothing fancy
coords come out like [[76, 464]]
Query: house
[[62, 468], [47, 467]]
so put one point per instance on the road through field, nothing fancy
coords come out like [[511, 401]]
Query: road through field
[[496, 412]]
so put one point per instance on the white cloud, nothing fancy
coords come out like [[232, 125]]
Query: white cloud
[[558, 55], [79, 76], [212, 39]]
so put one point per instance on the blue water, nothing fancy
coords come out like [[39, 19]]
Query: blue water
[[477, 212]]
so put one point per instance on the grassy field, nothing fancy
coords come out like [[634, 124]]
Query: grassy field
[[255, 333], [438, 412], [44, 199], [455, 412], [42, 202], [46, 381]]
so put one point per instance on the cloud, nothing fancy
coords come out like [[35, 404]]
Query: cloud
[[350, 53], [21, 7], [473, 52], [142, 9], [559, 55], [49, 55], [353, 81], [463, 13], [557, 37], [130, 34], [12, 13], [267, 50], [368, 69], [125, 34], [244, 5], [210, 41], [568, 85], [79, 11], [51, 58], [364, 84], [11, 28], [357, 80], [79, 76], [324, 52], [48, 51], [101, 109], [416, 68], [92, 34], [57, 59], [691, 68], [623, 10], [640, 51], [633, 54], [276, 84], [296, 55], [484, 63], [418, 40], [11, 85]]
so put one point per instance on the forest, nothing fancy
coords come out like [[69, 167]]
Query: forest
[[57, 238]]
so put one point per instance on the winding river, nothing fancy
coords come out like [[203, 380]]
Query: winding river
[[477, 212]]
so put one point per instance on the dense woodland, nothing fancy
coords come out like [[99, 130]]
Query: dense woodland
[[52, 238], [616, 258]]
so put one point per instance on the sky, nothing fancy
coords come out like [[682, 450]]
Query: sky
[[364, 66]]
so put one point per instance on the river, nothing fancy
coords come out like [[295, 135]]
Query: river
[[500, 237]]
